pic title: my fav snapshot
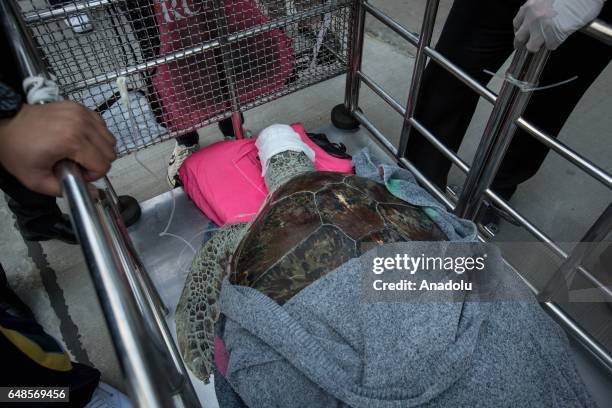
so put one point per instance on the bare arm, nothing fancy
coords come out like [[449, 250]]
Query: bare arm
[[40, 136]]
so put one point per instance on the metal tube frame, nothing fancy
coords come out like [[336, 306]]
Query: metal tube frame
[[228, 70], [351, 97], [138, 357], [599, 30], [566, 272], [153, 313], [400, 30], [499, 131], [504, 120], [65, 10], [111, 190], [153, 369], [429, 18]]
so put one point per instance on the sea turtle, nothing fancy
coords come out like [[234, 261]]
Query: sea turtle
[[310, 224]]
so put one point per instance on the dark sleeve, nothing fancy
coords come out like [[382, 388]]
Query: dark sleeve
[[9, 71], [606, 12]]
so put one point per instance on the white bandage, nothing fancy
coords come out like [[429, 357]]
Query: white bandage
[[276, 139]]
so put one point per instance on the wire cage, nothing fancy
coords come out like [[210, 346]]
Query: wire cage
[[187, 63]]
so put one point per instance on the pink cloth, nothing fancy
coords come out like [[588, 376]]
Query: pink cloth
[[224, 179], [190, 89], [221, 356]]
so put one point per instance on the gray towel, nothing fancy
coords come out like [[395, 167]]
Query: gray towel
[[401, 183]]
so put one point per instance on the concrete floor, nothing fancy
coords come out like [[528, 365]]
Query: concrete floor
[[52, 278]]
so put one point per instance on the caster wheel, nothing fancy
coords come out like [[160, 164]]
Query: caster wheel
[[342, 119], [226, 127], [130, 210]]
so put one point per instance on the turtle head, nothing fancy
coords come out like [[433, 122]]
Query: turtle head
[[283, 155]]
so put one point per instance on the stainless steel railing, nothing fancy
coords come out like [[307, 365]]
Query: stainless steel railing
[[499, 130], [506, 116], [134, 313]]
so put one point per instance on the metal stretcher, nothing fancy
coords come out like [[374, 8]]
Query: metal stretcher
[[194, 63]]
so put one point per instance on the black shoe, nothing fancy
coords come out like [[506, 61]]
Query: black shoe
[[337, 150], [488, 220], [60, 230]]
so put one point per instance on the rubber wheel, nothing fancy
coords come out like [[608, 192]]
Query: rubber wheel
[[342, 119], [226, 127], [130, 210]]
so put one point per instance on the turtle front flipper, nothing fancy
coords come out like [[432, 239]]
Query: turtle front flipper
[[197, 310]]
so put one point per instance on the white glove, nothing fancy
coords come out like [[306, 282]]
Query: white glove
[[550, 22]]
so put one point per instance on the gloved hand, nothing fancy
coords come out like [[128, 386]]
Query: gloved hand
[[550, 22]]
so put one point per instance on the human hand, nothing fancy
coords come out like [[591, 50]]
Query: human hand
[[40, 136], [550, 22]]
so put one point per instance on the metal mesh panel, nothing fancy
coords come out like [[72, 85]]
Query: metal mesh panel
[[187, 63]]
